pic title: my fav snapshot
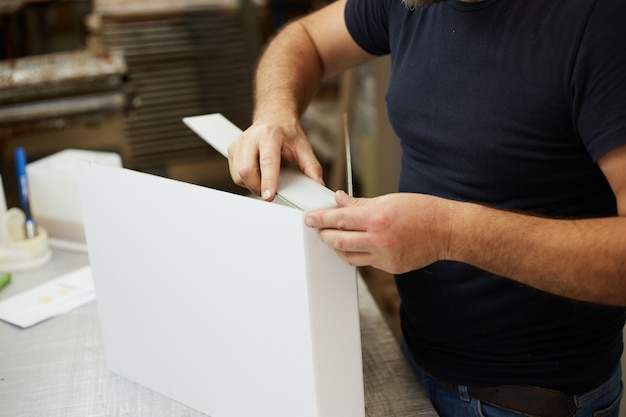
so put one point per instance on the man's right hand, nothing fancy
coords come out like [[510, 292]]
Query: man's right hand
[[305, 52], [256, 156]]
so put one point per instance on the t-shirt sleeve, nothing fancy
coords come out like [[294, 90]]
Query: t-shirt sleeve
[[599, 79], [367, 22]]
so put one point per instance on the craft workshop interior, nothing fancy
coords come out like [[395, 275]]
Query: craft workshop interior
[[120, 75]]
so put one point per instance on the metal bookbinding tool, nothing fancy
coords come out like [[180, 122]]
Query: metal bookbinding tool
[[346, 136]]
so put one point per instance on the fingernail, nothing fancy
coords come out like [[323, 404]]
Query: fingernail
[[308, 221], [267, 194]]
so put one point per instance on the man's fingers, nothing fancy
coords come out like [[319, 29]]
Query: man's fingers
[[349, 215], [345, 241], [310, 166], [344, 200], [269, 165], [233, 162], [356, 258], [339, 219], [255, 158], [249, 169]]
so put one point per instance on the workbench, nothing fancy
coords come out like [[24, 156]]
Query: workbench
[[58, 367]]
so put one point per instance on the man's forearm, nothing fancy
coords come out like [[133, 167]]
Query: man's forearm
[[288, 75], [579, 259]]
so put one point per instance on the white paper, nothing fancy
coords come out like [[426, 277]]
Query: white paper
[[50, 299], [331, 300], [225, 303]]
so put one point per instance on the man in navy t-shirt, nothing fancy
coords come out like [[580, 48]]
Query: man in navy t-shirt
[[508, 234]]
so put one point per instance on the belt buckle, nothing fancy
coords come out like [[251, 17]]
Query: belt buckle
[[526, 399]]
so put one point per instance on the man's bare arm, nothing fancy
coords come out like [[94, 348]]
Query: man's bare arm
[[579, 259], [289, 74]]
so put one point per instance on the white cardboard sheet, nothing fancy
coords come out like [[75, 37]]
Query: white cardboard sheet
[[228, 304], [293, 186]]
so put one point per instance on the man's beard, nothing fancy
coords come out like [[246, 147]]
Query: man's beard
[[414, 4]]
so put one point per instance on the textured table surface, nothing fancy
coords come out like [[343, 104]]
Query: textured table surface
[[58, 367]]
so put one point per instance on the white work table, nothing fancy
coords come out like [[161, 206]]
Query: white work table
[[58, 367]]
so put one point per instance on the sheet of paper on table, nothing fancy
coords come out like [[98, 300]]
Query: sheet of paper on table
[[226, 303], [50, 299]]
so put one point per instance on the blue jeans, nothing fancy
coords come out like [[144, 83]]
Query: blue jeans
[[602, 401]]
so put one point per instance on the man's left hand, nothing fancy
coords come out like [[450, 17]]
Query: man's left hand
[[396, 233]]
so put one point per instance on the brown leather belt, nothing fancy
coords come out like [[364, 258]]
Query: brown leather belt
[[523, 399]]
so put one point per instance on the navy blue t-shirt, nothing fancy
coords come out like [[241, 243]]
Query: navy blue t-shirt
[[507, 103]]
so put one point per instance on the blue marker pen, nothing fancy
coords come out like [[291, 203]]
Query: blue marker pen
[[22, 180]]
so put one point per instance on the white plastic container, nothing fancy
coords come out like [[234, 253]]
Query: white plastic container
[[54, 194]]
